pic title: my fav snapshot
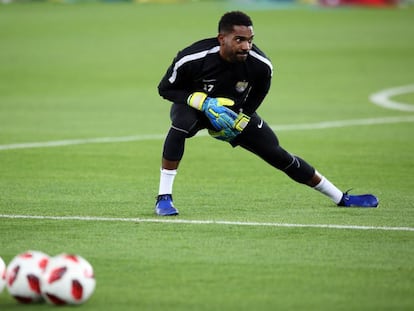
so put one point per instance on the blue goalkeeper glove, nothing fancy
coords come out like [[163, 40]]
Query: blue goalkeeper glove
[[215, 109], [228, 134]]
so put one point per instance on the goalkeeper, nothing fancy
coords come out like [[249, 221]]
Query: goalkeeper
[[217, 84]]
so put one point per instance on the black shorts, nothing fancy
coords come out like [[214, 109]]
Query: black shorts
[[189, 120], [257, 138]]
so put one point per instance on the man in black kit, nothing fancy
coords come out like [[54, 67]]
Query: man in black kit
[[218, 84]]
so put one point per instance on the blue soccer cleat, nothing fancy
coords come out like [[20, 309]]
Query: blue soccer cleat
[[165, 206], [363, 200]]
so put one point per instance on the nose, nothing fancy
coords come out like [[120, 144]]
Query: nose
[[246, 45]]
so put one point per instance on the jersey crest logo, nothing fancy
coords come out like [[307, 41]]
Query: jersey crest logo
[[241, 86]]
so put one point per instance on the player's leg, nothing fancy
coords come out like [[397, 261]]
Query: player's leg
[[260, 139], [186, 122]]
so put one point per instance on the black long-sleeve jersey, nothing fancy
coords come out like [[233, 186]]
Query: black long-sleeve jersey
[[199, 67]]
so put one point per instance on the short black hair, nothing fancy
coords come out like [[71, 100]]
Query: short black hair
[[233, 18]]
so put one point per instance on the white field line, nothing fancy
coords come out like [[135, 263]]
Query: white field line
[[68, 142], [204, 222], [382, 98], [291, 127]]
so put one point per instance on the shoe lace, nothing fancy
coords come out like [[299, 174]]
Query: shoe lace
[[163, 197], [347, 192]]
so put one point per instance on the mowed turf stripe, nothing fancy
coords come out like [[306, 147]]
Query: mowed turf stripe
[[292, 127], [204, 222]]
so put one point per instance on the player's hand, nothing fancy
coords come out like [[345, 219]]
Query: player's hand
[[241, 122], [196, 100], [215, 109], [219, 115], [228, 134]]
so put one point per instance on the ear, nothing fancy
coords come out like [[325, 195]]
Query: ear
[[220, 38]]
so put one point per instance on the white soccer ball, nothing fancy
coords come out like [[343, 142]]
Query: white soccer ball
[[68, 279], [23, 276], [2, 274]]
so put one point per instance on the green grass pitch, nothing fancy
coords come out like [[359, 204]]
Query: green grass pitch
[[86, 71]]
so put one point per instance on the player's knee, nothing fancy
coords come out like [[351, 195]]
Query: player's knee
[[174, 145], [299, 170], [185, 119]]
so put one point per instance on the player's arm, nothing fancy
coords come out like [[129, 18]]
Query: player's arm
[[175, 83], [173, 87], [262, 73], [256, 96], [173, 92]]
